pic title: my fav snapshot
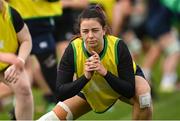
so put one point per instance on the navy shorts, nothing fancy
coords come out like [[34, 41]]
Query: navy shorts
[[64, 26], [139, 72], [159, 19], [43, 43]]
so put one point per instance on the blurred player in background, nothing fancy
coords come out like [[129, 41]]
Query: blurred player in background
[[15, 47]]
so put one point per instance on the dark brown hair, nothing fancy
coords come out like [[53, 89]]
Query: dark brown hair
[[93, 11]]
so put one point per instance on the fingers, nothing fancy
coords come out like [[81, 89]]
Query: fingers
[[92, 65], [95, 55], [88, 69], [94, 52], [89, 66], [94, 58], [11, 75]]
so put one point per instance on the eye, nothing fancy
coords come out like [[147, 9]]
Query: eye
[[95, 30], [85, 31]]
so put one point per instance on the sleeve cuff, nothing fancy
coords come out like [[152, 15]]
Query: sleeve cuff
[[107, 75]]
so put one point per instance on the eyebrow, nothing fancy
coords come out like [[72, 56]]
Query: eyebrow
[[91, 28]]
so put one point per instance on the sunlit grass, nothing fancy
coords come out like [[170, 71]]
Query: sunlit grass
[[166, 106]]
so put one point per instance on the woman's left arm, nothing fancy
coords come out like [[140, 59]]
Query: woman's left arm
[[25, 41], [124, 84]]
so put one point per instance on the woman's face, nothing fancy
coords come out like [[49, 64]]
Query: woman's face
[[92, 33]]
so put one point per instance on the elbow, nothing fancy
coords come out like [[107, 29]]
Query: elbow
[[59, 93], [131, 92]]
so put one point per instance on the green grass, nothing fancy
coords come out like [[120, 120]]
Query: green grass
[[166, 106]]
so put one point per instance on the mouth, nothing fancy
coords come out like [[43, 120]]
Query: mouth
[[92, 44], [91, 41]]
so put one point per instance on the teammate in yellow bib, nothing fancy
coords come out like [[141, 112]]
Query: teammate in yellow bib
[[15, 47], [38, 15], [104, 70], [37, 8]]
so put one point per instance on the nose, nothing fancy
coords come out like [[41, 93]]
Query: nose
[[90, 34]]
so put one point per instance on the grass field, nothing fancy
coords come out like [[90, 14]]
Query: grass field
[[166, 106]]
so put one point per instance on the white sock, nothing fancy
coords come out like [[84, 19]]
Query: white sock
[[135, 46], [169, 80], [50, 116]]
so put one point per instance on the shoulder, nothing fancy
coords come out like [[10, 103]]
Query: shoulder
[[76, 42], [121, 44], [114, 39], [17, 20], [76, 38]]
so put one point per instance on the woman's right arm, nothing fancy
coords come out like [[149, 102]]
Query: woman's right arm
[[66, 87], [7, 58]]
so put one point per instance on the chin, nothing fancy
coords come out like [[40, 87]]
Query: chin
[[92, 45]]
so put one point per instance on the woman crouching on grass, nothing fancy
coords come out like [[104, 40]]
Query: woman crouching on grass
[[105, 73]]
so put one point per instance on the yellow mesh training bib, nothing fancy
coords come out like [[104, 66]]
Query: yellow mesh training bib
[[8, 38], [36, 8], [97, 91]]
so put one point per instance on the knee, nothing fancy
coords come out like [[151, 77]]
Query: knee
[[143, 106], [23, 89], [143, 95], [142, 102], [63, 112], [141, 86]]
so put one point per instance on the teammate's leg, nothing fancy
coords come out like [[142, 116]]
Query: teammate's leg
[[24, 107]]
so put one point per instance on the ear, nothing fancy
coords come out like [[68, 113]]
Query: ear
[[104, 30]]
